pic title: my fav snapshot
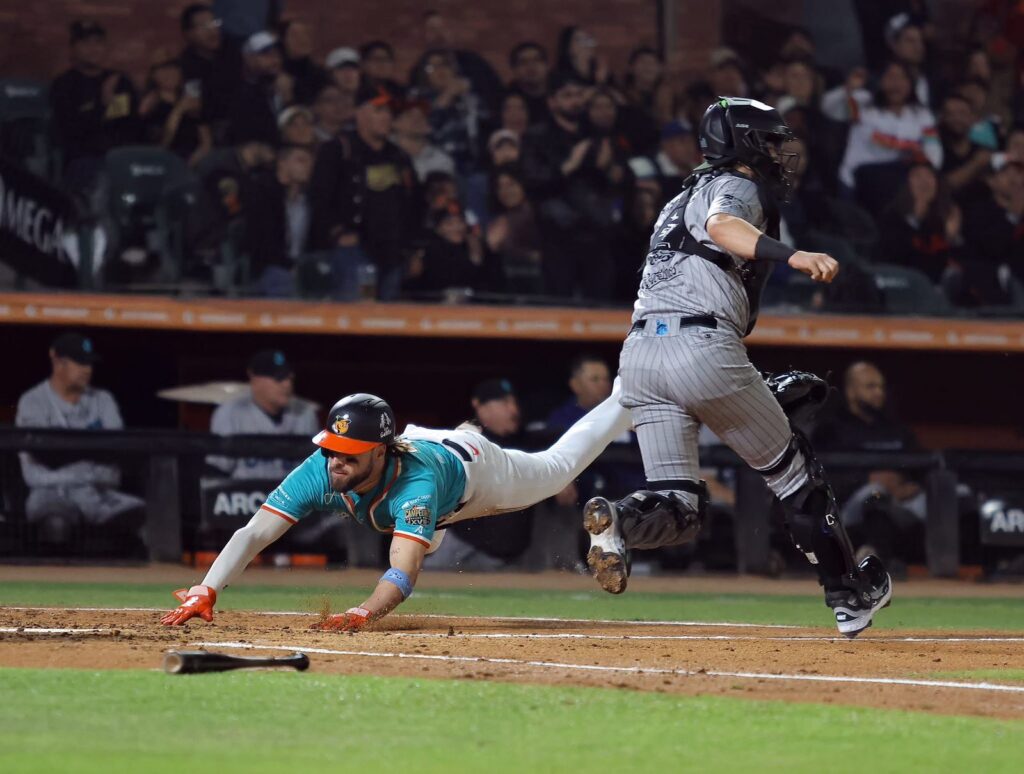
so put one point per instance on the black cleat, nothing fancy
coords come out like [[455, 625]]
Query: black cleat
[[854, 608]]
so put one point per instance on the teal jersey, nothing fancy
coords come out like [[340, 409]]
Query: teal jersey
[[417, 489]]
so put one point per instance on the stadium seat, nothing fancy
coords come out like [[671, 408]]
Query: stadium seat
[[25, 125], [151, 194], [908, 291]]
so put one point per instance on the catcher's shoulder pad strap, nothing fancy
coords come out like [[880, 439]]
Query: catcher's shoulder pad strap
[[798, 392]]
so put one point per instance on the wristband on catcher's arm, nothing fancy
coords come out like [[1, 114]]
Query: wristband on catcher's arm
[[396, 577], [768, 249]]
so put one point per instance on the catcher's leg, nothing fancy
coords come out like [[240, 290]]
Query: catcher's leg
[[667, 512], [854, 592]]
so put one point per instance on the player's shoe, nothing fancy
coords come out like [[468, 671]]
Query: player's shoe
[[854, 609], [607, 558]]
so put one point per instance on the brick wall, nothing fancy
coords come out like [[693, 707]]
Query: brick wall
[[33, 33]]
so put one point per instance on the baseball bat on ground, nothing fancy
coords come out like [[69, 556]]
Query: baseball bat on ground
[[184, 662]]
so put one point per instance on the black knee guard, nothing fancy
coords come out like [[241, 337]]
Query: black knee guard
[[660, 516], [813, 521]]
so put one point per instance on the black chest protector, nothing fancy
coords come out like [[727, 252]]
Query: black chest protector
[[753, 274]]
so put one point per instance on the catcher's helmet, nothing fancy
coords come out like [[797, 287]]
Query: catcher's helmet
[[737, 130], [356, 424]]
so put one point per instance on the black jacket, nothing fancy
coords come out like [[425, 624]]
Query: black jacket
[[85, 126], [373, 193]]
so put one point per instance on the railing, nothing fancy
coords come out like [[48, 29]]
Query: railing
[[164, 451]]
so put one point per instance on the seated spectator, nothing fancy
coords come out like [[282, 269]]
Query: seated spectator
[[502, 150], [94, 108], [577, 58], [494, 542], [987, 129], [456, 114], [295, 124], [503, 147], [965, 164], [1014, 150], [364, 200], [561, 164], [921, 229], [67, 492], [270, 408], [529, 64], [453, 256], [264, 92], [663, 173], [277, 219], [343, 67], [227, 175], [513, 236], [377, 63], [170, 117], [210, 66], [727, 75], [904, 35], [887, 513], [649, 101], [484, 83], [632, 242], [412, 134], [889, 130], [297, 49], [334, 111], [515, 114], [994, 225]]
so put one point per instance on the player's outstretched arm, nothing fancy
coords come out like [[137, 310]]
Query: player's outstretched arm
[[393, 588], [740, 238], [263, 529]]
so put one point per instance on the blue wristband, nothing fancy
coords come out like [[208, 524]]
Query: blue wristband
[[399, 579]]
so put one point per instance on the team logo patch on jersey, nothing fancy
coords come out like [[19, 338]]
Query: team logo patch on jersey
[[417, 516], [341, 425]]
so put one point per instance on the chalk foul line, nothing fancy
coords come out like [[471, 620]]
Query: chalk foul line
[[631, 670]]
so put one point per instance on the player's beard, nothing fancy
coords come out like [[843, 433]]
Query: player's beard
[[350, 483]]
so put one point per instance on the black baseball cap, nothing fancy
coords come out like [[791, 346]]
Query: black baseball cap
[[493, 389], [82, 29], [272, 363], [75, 346]]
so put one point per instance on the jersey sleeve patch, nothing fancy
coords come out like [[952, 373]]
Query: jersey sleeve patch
[[415, 515]]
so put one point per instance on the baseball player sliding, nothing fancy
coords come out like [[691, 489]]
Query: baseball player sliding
[[409, 486], [684, 363]]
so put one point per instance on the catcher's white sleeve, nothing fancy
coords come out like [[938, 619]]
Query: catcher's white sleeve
[[262, 530]]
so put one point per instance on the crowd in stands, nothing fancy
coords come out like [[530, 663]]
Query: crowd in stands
[[344, 177]]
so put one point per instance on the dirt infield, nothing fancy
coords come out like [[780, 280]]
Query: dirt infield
[[792, 664], [881, 668]]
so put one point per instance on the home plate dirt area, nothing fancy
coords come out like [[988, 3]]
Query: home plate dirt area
[[879, 669]]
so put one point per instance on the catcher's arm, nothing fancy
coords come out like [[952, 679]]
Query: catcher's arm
[[263, 529], [393, 588]]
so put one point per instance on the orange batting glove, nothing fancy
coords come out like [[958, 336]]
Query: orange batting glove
[[196, 601], [352, 620]]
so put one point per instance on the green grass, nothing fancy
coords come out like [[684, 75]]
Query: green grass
[[83, 721], [806, 610]]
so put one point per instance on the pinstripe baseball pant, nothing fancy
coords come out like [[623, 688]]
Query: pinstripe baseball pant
[[675, 378]]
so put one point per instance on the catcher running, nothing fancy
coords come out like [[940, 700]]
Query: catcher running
[[410, 486]]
